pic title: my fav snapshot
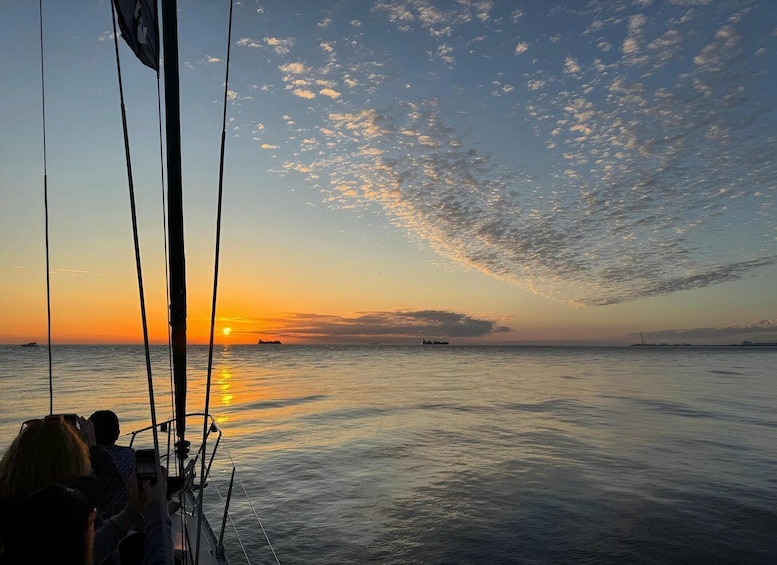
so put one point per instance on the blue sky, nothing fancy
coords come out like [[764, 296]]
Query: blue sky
[[495, 171]]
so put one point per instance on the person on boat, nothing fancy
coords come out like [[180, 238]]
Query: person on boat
[[106, 432], [46, 451], [103, 467], [146, 503], [64, 517], [50, 451], [54, 525]]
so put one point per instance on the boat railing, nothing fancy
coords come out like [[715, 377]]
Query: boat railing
[[191, 492], [217, 508], [168, 427]]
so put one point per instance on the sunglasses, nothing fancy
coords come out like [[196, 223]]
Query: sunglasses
[[71, 419]]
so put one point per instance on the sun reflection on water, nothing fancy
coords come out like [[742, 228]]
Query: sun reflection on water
[[225, 385]]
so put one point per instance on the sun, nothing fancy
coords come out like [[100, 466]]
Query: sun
[[226, 331]]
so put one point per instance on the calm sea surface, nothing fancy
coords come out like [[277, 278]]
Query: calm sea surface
[[463, 455]]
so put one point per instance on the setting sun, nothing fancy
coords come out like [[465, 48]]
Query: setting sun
[[227, 331]]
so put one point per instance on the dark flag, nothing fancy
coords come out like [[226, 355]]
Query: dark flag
[[138, 24]]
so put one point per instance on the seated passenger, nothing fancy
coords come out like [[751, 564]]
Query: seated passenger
[[49, 451], [56, 525], [106, 432], [53, 525], [146, 502], [45, 452], [103, 467], [57, 451]]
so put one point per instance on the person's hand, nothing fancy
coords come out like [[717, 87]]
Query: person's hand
[[86, 431], [161, 486], [136, 493], [142, 494]]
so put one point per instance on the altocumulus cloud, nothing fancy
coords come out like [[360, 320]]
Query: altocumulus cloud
[[657, 141]]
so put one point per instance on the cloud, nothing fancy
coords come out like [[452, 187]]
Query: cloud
[[571, 66], [437, 21], [366, 124], [407, 324], [654, 167], [724, 46], [304, 93], [521, 48], [281, 46], [758, 331], [71, 272], [248, 42], [295, 68], [444, 52], [333, 94]]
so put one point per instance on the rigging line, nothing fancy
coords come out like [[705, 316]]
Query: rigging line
[[138, 267], [215, 265], [250, 504], [233, 524], [46, 209]]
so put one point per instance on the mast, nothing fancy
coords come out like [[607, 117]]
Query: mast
[[177, 258]]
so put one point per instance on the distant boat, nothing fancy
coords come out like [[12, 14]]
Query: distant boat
[[430, 342], [30, 344], [269, 342]]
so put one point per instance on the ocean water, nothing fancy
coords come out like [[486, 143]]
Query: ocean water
[[461, 455]]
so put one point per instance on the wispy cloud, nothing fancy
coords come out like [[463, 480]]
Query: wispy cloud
[[248, 42], [71, 272], [521, 48]]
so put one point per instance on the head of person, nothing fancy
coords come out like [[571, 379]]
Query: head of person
[[53, 525], [45, 452], [106, 427]]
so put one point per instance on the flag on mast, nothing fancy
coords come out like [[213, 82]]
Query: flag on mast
[[139, 28]]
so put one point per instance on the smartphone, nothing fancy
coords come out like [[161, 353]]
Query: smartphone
[[145, 465], [71, 419]]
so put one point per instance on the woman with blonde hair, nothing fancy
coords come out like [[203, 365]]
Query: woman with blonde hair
[[46, 451], [50, 451]]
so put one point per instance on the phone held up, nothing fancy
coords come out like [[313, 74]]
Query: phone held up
[[71, 419], [145, 465]]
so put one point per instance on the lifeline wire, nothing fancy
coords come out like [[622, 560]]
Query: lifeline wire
[[253, 509]]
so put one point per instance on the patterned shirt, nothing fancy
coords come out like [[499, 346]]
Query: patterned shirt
[[124, 459]]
